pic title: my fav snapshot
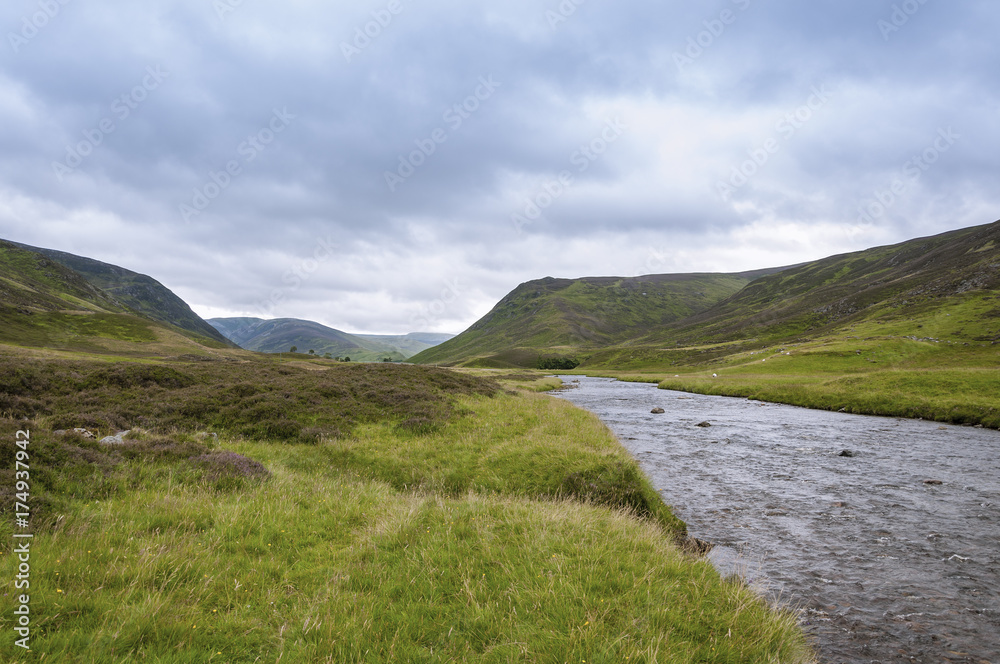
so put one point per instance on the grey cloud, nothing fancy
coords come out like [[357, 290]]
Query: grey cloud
[[324, 174]]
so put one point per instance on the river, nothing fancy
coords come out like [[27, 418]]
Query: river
[[883, 532]]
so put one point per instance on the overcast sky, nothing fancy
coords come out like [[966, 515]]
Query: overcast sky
[[389, 166]]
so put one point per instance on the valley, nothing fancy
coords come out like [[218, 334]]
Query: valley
[[442, 511], [908, 330]]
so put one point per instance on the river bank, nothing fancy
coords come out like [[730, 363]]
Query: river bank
[[967, 396]]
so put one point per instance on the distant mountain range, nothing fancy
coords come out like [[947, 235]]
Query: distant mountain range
[[948, 284], [54, 299], [280, 335], [606, 321]]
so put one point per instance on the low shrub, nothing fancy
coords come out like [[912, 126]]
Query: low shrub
[[557, 363]]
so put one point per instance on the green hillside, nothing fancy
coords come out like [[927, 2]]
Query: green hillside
[[902, 282], [572, 315], [279, 335], [139, 293], [44, 303], [926, 293], [31, 281], [908, 330]]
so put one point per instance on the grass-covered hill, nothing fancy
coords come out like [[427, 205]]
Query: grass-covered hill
[[32, 281], [138, 293], [279, 335], [901, 282], [566, 315], [909, 330], [608, 320], [46, 303]]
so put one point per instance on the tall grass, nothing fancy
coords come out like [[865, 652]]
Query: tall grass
[[337, 571], [515, 529]]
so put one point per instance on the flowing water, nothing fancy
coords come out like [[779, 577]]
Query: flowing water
[[884, 532]]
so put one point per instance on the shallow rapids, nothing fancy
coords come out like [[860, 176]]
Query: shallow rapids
[[884, 532]]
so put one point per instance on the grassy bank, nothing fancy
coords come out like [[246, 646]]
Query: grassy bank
[[504, 526], [944, 381], [969, 396]]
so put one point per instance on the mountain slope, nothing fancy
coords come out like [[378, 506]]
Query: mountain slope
[[281, 334], [138, 292], [29, 280], [905, 281], [569, 314], [947, 283], [908, 330], [44, 303]]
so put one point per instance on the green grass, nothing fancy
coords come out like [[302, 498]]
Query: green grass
[[532, 380], [509, 445], [319, 570], [514, 529], [72, 330], [958, 396]]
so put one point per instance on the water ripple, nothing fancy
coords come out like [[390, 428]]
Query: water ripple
[[885, 532]]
